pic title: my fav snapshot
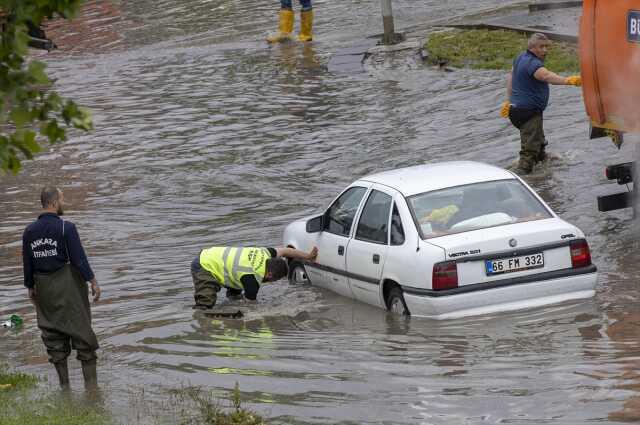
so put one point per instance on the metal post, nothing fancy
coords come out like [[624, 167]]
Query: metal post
[[387, 22]]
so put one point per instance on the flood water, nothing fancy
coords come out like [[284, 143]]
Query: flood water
[[206, 136]]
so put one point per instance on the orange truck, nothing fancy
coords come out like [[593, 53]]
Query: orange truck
[[609, 50]]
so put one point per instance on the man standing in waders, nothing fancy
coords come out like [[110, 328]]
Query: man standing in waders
[[239, 270], [56, 272], [528, 94], [286, 22]]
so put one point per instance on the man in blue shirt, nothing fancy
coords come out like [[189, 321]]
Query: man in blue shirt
[[528, 94], [56, 272]]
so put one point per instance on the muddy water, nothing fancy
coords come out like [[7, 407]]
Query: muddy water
[[204, 136]]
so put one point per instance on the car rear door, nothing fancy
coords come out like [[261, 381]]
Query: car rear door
[[330, 270], [367, 250]]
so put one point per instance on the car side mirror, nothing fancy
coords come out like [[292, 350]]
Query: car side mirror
[[314, 225]]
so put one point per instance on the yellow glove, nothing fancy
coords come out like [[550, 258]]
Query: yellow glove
[[574, 80], [504, 111], [443, 214]]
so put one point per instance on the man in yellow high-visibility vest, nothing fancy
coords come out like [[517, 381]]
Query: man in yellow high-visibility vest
[[239, 269]]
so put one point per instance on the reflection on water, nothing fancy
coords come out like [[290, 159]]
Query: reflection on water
[[205, 135]]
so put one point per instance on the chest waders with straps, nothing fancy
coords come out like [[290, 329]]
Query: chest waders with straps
[[228, 265], [64, 316]]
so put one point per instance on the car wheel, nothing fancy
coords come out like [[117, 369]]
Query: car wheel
[[635, 176], [395, 302], [297, 274]]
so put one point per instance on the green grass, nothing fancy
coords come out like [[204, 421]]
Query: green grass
[[20, 411], [188, 406], [202, 407], [12, 380], [485, 49], [18, 407]]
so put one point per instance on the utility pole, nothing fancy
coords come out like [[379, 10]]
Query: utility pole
[[387, 22]]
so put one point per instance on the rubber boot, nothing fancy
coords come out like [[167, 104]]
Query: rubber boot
[[90, 374], [285, 28], [306, 25], [63, 373], [542, 155], [234, 294], [523, 168]]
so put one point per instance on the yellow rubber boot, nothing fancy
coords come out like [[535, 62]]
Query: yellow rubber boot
[[306, 25], [285, 29]]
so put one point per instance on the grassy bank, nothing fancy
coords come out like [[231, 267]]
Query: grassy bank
[[484, 49], [19, 405]]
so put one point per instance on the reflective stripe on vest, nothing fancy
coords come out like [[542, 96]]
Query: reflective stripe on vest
[[228, 265]]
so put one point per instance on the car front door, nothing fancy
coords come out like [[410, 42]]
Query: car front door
[[367, 250], [330, 269]]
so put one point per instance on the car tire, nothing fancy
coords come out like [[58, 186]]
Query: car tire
[[297, 274], [395, 302], [635, 177]]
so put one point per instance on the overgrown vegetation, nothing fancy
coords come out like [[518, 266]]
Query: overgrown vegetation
[[30, 111], [15, 380], [196, 406], [21, 411], [187, 406], [485, 49], [19, 407]]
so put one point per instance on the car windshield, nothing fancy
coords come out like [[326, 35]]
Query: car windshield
[[475, 206]]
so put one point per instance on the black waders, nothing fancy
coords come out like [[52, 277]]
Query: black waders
[[64, 317]]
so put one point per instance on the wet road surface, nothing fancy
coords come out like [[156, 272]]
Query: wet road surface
[[207, 136]]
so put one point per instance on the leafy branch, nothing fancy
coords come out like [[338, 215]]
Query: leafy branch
[[30, 112]]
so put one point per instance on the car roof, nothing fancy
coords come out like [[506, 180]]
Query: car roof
[[428, 177]]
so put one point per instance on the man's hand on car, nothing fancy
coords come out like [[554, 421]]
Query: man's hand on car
[[313, 254], [574, 80]]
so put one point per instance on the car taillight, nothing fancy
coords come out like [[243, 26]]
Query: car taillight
[[445, 276], [580, 254]]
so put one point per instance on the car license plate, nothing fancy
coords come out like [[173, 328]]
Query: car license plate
[[514, 264]]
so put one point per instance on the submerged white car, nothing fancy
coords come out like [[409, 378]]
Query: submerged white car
[[444, 240]]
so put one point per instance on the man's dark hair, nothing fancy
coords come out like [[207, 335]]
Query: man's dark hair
[[278, 267], [49, 195]]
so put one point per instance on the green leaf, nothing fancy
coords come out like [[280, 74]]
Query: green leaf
[[13, 163], [20, 139], [20, 116], [54, 101], [69, 111], [53, 131], [36, 71], [31, 143], [83, 119]]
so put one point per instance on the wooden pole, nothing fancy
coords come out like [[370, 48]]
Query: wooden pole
[[387, 22]]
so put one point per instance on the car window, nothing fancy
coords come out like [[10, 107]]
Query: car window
[[475, 206], [397, 231], [341, 213], [373, 224]]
